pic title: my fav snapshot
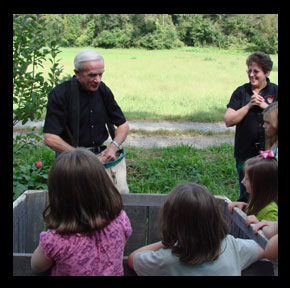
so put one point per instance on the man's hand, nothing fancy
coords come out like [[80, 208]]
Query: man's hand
[[109, 154]]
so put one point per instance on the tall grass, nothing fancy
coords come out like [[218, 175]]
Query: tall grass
[[186, 84]]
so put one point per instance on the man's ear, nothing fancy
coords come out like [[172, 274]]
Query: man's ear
[[77, 73]]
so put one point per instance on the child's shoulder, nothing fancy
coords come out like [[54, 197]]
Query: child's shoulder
[[122, 217], [53, 236], [121, 222], [269, 212]]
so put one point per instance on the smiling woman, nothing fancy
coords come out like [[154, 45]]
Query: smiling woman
[[245, 109]]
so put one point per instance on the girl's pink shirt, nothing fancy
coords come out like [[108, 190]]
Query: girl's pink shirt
[[100, 254]]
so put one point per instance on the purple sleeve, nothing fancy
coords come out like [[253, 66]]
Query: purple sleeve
[[50, 245]]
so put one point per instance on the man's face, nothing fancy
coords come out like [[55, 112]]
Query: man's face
[[91, 75]]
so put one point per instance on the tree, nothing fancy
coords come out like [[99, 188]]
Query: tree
[[72, 29], [30, 89]]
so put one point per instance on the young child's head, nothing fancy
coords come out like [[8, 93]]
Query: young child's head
[[271, 124], [192, 224], [261, 181], [82, 198]]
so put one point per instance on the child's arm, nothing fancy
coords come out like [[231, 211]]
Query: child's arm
[[271, 249], [150, 247], [39, 263], [270, 228], [261, 252]]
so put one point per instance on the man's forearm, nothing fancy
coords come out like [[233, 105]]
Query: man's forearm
[[121, 133], [56, 143]]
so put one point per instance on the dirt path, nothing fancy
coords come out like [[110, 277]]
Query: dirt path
[[136, 139]]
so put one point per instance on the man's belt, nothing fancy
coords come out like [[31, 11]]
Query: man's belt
[[97, 149]]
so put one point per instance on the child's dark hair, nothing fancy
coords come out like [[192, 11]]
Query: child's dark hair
[[82, 198], [263, 177], [192, 224]]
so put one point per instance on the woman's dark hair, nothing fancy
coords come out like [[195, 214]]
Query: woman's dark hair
[[262, 59], [192, 224], [82, 198]]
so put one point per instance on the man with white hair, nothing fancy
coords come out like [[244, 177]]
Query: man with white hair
[[94, 101]]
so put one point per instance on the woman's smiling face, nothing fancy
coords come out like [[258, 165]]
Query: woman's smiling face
[[257, 76]]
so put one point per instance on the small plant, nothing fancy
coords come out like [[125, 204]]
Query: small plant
[[31, 164]]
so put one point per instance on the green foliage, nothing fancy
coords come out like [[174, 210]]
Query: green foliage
[[72, 29], [30, 89], [267, 40], [159, 170], [25, 154], [163, 37], [166, 31], [155, 170], [115, 38]]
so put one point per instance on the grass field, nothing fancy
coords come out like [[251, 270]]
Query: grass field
[[187, 84], [193, 84]]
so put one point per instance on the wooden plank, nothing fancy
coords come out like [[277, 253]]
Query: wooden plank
[[138, 211], [153, 225], [22, 267], [138, 219], [35, 203], [19, 224], [127, 270], [151, 200], [143, 211], [238, 217], [262, 267]]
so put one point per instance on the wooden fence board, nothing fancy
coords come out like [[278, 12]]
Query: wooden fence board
[[143, 211], [138, 217]]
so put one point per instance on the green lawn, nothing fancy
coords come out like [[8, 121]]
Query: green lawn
[[186, 84], [191, 84]]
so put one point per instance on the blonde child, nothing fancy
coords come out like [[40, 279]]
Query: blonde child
[[87, 226], [271, 127], [261, 181], [194, 239]]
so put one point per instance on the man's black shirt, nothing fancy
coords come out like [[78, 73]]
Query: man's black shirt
[[92, 130]]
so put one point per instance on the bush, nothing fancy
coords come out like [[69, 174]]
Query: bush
[[163, 37], [25, 154], [115, 38]]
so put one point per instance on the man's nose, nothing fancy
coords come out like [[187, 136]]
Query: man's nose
[[98, 78]]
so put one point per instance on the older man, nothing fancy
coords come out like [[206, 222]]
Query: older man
[[95, 101]]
